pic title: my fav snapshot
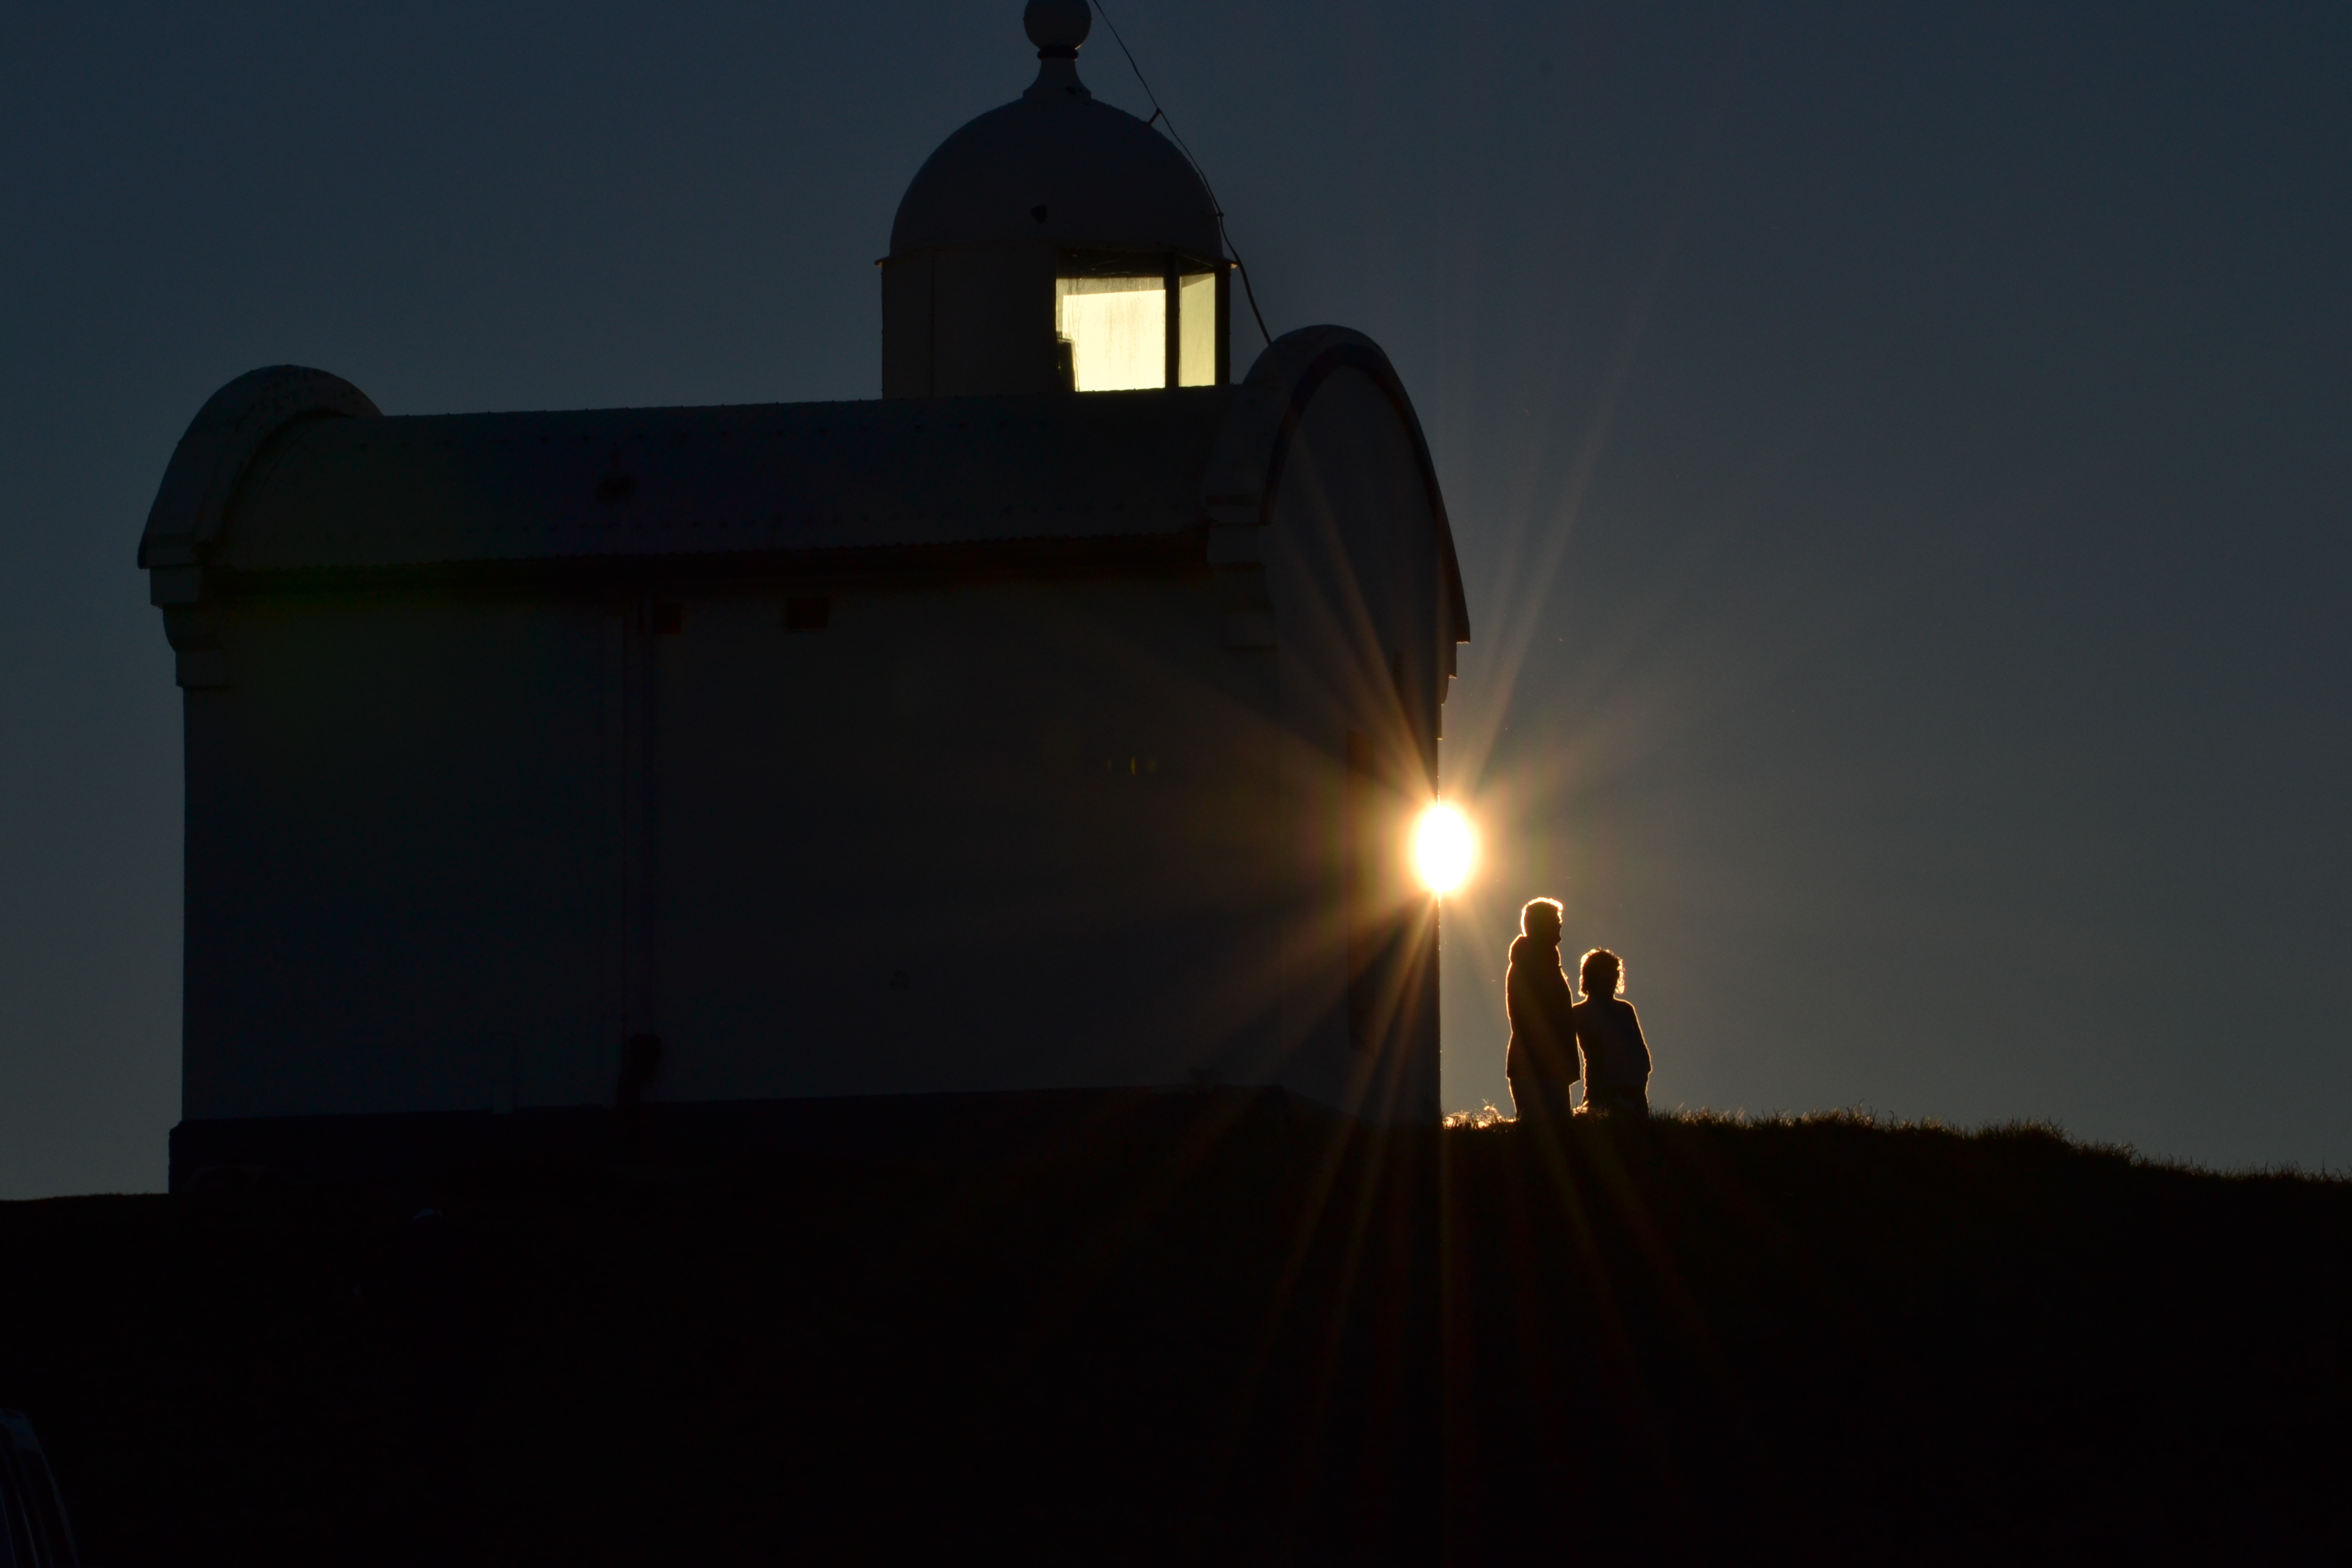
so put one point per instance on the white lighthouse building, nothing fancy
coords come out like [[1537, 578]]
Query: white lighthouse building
[[1040, 740]]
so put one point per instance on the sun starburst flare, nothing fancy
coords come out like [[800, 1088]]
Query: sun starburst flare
[[1443, 847]]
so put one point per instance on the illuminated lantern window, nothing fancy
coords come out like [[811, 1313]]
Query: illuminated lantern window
[[1196, 330], [1121, 328], [1116, 329]]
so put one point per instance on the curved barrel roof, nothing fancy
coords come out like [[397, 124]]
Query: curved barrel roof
[[438, 488], [288, 469]]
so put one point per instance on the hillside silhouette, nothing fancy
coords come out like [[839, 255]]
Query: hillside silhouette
[[1242, 1335]]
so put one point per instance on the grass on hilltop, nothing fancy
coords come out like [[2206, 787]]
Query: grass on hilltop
[[1813, 1339]]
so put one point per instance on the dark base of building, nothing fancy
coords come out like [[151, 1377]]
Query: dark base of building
[[399, 1148]]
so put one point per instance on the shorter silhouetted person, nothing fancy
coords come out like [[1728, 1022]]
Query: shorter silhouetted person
[[1609, 1032], [1542, 1061]]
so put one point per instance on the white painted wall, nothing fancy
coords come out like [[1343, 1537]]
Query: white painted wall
[[1005, 834], [981, 832], [403, 872], [1355, 582]]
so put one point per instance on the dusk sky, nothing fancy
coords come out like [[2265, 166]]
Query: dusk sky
[[1901, 461]]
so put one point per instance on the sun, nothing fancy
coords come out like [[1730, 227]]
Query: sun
[[1443, 847]]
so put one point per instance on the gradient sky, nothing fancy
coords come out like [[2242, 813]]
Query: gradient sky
[[1901, 459]]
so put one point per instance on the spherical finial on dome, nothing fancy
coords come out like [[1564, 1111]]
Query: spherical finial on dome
[[1058, 26]]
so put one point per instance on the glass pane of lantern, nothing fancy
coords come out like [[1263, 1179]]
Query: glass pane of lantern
[[1116, 329], [1196, 330]]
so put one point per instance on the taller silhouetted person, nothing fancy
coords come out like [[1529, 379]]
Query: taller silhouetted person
[[1616, 1057], [1542, 1061]]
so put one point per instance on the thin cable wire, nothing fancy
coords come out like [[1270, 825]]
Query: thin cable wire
[[1215, 205]]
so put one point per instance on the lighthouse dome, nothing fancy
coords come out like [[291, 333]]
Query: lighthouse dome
[[1056, 163], [1052, 198]]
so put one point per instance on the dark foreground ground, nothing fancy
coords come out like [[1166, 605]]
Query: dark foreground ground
[[1242, 1342]]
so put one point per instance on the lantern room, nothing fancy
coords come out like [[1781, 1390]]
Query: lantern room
[[1055, 244]]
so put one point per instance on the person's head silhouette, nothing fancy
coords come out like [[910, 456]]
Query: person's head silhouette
[[1539, 920], [1602, 974]]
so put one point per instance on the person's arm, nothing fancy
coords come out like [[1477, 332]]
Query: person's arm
[[1563, 1013], [1512, 1065], [1640, 1045]]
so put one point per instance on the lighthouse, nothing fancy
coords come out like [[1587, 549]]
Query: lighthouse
[[1039, 741]]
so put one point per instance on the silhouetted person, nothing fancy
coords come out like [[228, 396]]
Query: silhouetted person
[[1608, 1030], [1542, 1061]]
